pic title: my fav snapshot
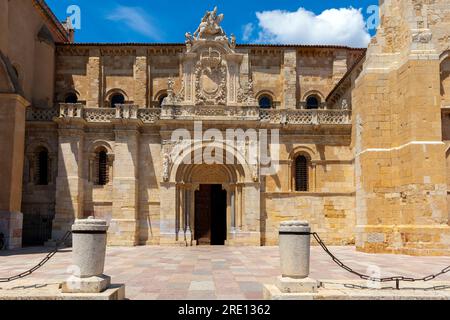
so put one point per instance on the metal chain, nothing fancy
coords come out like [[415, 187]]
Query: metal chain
[[397, 279], [356, 286], [40, 264]]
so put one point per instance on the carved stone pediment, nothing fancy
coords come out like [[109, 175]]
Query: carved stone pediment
[[210, 65]]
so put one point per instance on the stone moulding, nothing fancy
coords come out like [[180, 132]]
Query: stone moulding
[[153, 115]]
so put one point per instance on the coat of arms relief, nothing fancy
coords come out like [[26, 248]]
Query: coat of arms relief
[[211, 78]]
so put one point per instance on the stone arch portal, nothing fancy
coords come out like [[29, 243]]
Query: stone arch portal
[[185, 191]]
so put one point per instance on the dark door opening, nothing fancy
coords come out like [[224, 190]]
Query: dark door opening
[[210, 215], [37, 228]]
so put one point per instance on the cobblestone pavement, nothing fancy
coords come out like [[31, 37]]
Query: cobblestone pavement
[[152, 272]]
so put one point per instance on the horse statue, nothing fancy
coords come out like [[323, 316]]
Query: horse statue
[[210, 26]]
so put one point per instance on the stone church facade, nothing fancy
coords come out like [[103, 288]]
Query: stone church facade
[[359, 136]]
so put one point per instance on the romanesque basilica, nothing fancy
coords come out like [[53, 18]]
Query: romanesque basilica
[[358, 139]]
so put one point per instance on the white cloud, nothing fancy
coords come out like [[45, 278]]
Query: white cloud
[[136, 19], [344, 26], [247, 31]]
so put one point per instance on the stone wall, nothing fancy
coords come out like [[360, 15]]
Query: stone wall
[[401, 204], [287, 74], [332, 215]]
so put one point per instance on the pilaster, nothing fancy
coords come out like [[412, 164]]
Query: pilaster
[[69, 181], [124, 224], [290, 79], [94, 76], [12, 139]]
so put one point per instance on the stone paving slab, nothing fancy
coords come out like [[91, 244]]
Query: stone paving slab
[[335, 290], [154, 272]]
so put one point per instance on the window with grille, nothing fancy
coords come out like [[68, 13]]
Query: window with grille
[[42, 170], [102, 168], [301, 173]]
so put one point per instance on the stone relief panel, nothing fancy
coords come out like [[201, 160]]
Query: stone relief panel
[[210, 78]]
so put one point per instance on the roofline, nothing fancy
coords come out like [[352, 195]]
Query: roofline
[[179, 44], [48, 13], [347, 74]]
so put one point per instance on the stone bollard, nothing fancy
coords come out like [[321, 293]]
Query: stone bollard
[[89, 250], [294, 244]]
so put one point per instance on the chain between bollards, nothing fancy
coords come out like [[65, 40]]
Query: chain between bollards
[[40, 264], [397, 279]]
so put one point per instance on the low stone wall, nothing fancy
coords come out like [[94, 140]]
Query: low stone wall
[[330, 215]]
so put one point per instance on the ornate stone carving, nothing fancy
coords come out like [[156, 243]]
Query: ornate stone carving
[[210, 78], [255, 172], [246, 95], [233, 41], [189, 40], [209, 28], [424, 36], [166, 167]]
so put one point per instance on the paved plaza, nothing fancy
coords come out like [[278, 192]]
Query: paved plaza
[[153, 272]]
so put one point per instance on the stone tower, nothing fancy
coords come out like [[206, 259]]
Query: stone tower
[[401, 188]]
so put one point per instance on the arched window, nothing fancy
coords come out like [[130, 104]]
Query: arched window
[[161, 99], [71, 98], [312, 102], [42, 167], [301, 173], [116, 99], [265, 102], [102, 174]]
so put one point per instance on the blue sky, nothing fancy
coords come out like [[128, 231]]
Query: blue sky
[[262, 21]]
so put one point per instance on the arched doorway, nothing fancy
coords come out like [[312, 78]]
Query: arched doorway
[[211, 191], [210, 215], [236, 182]]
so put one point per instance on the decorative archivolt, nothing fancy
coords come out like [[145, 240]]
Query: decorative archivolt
[[313, 93], [193, 153], [213, 174], [40, 143], [97, 144], [445, 55], [308, 152], [114, 91]]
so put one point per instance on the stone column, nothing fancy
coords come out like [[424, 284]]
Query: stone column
[[141, 83], [12, 139], [124, 224], [94, 75], [251, 215], [339, 65], [290, 79], [69, 183], [168, 192]]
